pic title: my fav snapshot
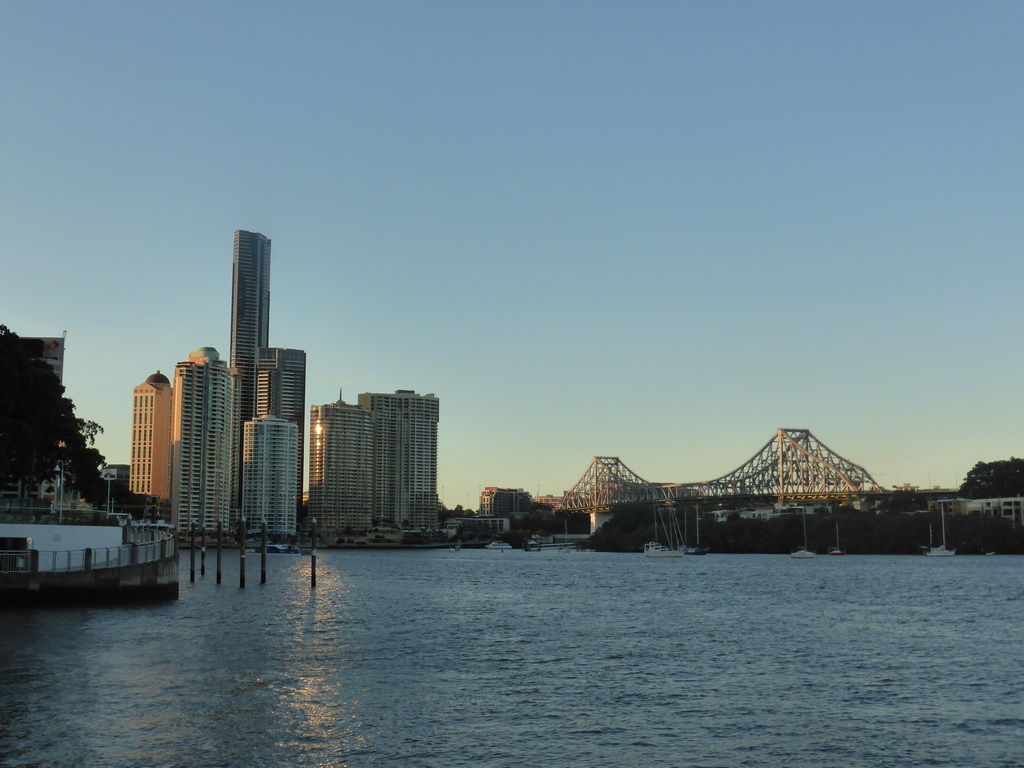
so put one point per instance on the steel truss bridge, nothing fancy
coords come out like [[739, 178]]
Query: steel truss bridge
[[793, 466]]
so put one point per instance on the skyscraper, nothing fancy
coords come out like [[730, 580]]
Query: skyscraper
[[340, 467], [281, 392], [203, 440], [152, 411], [250, 319], [269, 470], [404, 457]]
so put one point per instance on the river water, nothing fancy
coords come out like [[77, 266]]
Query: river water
[[489, 658]]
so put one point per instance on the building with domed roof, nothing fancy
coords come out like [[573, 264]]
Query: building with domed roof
[[152, 407]]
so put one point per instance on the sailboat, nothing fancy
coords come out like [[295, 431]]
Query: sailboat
[[836, 550], [697, 549], [802, 552], [673, 547], [939, 551]]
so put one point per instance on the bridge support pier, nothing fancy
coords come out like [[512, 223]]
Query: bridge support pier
[[597, 519]]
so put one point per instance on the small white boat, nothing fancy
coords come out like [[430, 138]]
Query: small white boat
[[939, 551], [836, 550], [802, 553], [499, 545], [674, 547], [654, 549], [283, 549]]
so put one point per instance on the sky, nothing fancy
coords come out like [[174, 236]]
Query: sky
[[655, 230]]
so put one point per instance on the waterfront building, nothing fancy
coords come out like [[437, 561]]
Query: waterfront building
[[152, 413], [203, 437], [340, 467], [505, 502], [404, 457], [281, 392], [494, 526], [250, 321], [555, 502], [1008, 508], [269, 469]]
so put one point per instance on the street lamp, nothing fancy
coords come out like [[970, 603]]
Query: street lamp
[[60, 506], [107, 474]]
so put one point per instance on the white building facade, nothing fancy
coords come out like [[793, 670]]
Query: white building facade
[[269, 471], [203, 437]]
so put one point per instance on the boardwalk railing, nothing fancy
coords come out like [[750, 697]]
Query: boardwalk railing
[[162, 545]]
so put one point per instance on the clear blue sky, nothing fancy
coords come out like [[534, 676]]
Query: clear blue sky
[[654, 230]]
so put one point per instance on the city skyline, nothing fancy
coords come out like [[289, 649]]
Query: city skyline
[[658, 232]]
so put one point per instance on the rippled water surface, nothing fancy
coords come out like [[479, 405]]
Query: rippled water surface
[[484, 658]]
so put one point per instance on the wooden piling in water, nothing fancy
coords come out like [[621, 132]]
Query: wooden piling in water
[[220, 546], [241, 555], [263, 553], [192, 553], [312, 555], [202, 550]]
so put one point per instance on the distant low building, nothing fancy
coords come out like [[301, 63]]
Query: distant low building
[[555, 502], [492, 525], [504, 502], [1009, 508]]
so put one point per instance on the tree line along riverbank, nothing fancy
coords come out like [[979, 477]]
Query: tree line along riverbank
[[861, 533]]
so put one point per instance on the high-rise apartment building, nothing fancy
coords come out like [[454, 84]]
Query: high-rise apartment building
[[250, 313], [152, 411], [281, 392], [340, 467], [269, 469], [404, 457], [250, 320], [203, 440]]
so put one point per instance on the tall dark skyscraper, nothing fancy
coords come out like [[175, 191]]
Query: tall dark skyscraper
[[250, 313], [250, 330]]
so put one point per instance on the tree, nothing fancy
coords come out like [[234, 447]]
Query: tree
[[38, 426], [994, 479]]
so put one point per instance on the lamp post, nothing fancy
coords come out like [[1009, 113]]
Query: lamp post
[[107, 475], [60, 506]]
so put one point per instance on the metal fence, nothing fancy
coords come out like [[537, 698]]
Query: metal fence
[[161, 546]]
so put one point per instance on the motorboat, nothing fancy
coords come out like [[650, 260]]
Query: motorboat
[[283, 549]]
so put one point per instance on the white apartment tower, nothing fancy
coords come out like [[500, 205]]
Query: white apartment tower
[[281, 392], [404, 457], [203, 436], [152, 411], [340, 467], [269, 470]]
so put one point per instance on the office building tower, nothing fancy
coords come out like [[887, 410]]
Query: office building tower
[[281, 392], [269, 469], [404, 457], [203, 440], [152, 411], [340, 467]]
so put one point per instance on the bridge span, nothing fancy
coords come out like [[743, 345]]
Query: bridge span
[[792, 466]]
